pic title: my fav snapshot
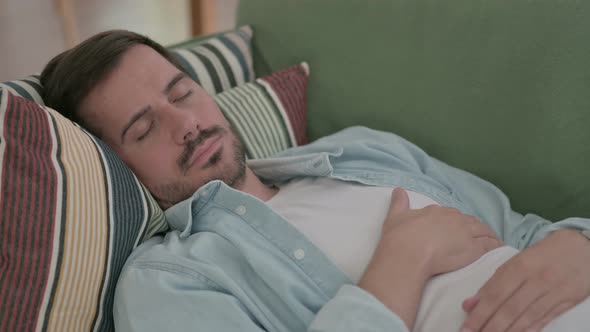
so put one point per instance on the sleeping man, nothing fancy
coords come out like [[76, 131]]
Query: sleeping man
[[360, 230]]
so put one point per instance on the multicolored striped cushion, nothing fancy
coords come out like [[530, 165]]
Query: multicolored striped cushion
[[28, 87], [72, 211], [270, 113], [71, 214], [218, 63]]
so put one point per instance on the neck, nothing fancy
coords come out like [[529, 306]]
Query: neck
[[253, 186]]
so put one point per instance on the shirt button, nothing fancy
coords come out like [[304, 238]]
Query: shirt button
[[299, 254], [241, 210]]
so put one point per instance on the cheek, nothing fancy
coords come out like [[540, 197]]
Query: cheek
[[152, 162], [214, 114]]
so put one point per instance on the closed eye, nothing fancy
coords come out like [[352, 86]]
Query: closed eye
[[144, 135], [183, 97]]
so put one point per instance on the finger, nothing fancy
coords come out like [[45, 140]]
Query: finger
[[400, 202], [496, 290], [554, 313], [516, 306], [470, 303], [539, 313]]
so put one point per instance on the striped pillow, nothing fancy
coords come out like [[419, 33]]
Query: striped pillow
[[218, 63], [71, 214], [29, 87], [72, 211], [269, 114]]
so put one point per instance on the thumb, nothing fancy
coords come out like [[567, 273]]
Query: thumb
[[400, 202]]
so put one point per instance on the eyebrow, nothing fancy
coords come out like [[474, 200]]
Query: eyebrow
[[173, 82], [146, 109]]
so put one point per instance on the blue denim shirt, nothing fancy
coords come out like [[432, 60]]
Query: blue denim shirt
[[232, 264]]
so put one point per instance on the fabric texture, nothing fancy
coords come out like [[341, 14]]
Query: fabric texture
[[220, 62], [497, 88], [320, 206], [212, 269], [28, 87], [270, 113], [71, 214], [217, 63]]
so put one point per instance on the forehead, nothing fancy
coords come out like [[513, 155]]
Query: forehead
[[138, 78], [139, 66]]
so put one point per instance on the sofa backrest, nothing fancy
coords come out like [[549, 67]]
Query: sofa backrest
[[499, 88]]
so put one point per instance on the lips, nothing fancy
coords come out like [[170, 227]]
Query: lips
[[202, 153]]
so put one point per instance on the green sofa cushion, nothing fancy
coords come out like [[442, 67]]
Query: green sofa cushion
[[498, 88]]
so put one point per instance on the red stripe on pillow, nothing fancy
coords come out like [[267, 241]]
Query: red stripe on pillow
[[26, 236], [293, 100]]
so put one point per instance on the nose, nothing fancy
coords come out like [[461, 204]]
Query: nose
[[184, 125]]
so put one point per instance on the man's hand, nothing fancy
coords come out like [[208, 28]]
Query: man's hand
[[447, 238], [418, 244], [533, 287]]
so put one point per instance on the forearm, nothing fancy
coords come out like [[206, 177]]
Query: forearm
[[397, 280]]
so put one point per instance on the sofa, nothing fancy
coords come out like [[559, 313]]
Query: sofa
[[497, 88]]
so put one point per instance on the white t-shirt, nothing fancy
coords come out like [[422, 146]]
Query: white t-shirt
[[327, 212]]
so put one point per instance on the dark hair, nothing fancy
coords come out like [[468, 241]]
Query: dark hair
[[70, 76]]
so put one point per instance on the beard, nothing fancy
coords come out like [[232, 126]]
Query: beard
[[232, 172]]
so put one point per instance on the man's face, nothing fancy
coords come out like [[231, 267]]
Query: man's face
[[164, 126]]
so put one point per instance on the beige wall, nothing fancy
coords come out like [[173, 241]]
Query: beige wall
[[166, 21], [226, 14], [31, 31]]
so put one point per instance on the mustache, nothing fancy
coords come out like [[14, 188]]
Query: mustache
[[193, 144]]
